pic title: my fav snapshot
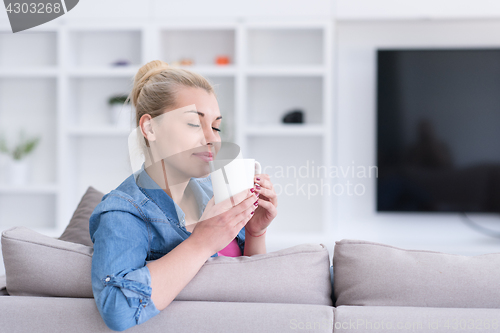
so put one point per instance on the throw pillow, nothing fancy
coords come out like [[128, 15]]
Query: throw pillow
[[39, 265], [77, 230]]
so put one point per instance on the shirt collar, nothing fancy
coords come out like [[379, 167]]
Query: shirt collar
[[162, 199]]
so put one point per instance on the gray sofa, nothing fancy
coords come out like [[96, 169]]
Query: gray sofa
[[377, 287], [47, 288]]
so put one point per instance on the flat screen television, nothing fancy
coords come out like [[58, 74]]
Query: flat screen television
[[438, 130]]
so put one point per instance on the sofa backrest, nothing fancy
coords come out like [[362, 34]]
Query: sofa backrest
[[369, 273], [38, 265]]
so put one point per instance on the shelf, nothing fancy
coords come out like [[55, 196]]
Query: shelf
[[99, 131], [286, 130], [103, 164], [212, 70], [87, 105], [42, 49], [286, 70], [104, 71], [102, 48], [29, 189], [37, 72], [30, 104], [285, 46], [131, 71], [275, 67], [270, 98], [202, 46]]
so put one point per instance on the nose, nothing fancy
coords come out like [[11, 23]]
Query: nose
[[209, 136]]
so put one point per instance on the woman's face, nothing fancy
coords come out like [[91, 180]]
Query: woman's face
[[187, 136]]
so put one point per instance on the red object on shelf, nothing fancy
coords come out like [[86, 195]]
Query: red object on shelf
[[222, 60]]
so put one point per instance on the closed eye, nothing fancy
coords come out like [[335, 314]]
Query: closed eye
[[218, 130]]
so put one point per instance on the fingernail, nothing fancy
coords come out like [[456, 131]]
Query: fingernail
[[258, 178], [257, 195], [256, 203], [257, 186], [252, 190], [252, 212]]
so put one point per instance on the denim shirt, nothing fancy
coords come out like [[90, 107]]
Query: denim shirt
[[132, 225]]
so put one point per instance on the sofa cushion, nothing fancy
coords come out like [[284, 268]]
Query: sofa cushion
[[77, 230], [368, 273], [415, 319], [40, 265], [75, 315], [298, 274]]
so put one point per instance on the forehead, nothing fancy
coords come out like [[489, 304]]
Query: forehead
[[205, 102], [186, 111]]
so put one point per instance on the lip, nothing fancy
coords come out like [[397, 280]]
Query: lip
[[206, 156]]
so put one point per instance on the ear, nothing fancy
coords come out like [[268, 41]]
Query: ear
[[147, 128]]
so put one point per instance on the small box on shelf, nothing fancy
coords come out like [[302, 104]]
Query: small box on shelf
[[202, 47]]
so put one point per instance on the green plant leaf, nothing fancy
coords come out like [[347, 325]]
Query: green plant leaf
[[25, 146], [117, 99]]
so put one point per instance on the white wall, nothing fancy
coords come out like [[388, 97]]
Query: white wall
[[356, 132], [203, 9], [416, 9]]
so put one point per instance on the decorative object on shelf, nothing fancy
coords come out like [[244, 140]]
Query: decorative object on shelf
[[120, 114], [222, 60], [18, 164], [120, 62], [294, 116], [182, 62]]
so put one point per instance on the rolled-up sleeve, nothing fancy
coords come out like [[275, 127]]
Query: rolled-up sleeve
[[121, 282]]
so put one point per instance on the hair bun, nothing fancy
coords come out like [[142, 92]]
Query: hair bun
[[150, 69]]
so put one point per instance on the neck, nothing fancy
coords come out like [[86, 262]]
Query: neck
[[170, 180]]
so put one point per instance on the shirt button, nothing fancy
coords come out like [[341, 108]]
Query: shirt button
[[108, 278]]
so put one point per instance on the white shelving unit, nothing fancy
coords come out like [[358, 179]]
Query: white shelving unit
[[62, 93]]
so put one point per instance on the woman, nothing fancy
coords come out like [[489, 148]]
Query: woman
[[153, 232]]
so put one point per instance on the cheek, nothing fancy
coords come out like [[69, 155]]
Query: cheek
[[180, 141]]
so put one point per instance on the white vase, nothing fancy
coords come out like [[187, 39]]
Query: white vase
[[121, 115], [18, 172]]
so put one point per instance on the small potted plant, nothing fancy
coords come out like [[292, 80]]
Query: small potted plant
[[18, 163], [120, 112]]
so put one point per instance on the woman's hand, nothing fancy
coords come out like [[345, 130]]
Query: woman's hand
[[267, 209], [220, 223]]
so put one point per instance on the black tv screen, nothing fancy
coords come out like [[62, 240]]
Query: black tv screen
[[438, 130]]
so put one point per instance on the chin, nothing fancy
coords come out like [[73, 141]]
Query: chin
[[201, 172]]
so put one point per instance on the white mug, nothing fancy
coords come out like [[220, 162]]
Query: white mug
[[233, 177]]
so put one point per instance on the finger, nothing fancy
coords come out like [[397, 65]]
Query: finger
[[240, 196], [244, 205], [232, 201], [262, 177], [245, 215], [269, 206], [264, 182], [270, 194]]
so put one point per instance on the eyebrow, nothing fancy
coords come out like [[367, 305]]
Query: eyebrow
[[202, 114]]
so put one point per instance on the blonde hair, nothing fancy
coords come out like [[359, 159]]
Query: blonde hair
[[155, 87]]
